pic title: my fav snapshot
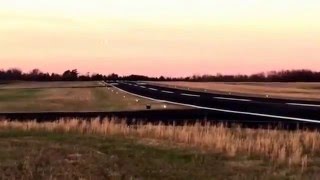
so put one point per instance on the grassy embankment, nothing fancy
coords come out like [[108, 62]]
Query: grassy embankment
[[82, 149], [299, 91], [69, 96]]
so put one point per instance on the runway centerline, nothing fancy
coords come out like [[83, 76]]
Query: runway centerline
[[232, 99], [299, 104], [192, 95], [168, 92]]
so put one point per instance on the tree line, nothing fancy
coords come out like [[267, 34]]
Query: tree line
[[73, 75]]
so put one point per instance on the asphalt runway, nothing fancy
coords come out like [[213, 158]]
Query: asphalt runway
[[229, 106]]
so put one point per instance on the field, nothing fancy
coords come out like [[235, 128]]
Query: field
[[110, 149], [73, 149], [69, 97], [299, 91]]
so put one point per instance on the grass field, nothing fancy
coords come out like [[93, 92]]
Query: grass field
[[53, 84], [301, 91], [69, 96], [73, 149]]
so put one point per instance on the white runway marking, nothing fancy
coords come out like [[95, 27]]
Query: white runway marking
[[232, 99], [308, 105], [169, 92], [142, 86], [192, 95], [224, 110], [153, 89]]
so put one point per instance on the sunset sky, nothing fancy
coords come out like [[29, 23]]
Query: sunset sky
[[160, 37]]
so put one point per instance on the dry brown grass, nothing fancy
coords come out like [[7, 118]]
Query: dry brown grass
[[308, 91], [294, 148]]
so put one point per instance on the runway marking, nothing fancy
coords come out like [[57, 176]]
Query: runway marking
[[232, 99], [169, 92], [308, 105], [114, 83], [153, 89], [192, 95], [224, 110], [142, 83], [142, 86]]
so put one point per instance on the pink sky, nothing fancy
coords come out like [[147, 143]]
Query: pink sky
[[160, 37]]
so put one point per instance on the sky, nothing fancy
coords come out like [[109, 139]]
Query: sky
[[160, 37]]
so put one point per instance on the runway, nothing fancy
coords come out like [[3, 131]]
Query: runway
[[232, 106]]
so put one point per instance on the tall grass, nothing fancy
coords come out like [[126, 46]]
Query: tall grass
[[284, 147]]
